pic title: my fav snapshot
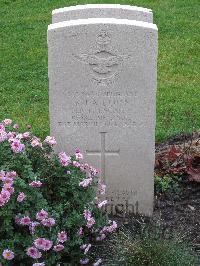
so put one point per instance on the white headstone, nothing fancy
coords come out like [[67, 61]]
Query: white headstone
[[102, 91], [102, 11]]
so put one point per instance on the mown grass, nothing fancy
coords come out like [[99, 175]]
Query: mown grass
[[24, 78]]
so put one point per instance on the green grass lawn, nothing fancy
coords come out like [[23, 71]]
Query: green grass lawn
[[24, 80]]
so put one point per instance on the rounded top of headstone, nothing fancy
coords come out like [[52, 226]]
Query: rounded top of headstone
[[102, 11], [91, 6], [103, 21]]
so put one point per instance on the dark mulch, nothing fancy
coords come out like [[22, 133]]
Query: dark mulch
[[178, 140], [180, 215]]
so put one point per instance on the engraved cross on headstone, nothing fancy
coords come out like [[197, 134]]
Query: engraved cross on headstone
[[103, 152]]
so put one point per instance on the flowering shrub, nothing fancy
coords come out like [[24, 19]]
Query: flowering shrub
[[49, 212]]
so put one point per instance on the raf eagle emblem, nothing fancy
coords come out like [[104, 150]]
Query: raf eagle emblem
[[104, 63]]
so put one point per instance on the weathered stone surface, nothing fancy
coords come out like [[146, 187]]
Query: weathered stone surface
[[102, 11], [102, 91]]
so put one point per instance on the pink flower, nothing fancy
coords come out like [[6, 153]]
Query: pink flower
[[41, 215], [7, 122], [42, 243], [17, 146], [5, 195], [33, 253], [2, 201], [62, 237], [9, 188], [87, 214], [110, 228], [35, 142], [86, 182], [114, 225], [26, 135], [16, 126], [11, 174], [32, 227], [50, 141], [47, 245], [3, 136], [8, 181], [21, 196], [86, 166], [11, 136], [25, 220], [82, 168], [19, 136], [90, 222], [76, 164], [58, 247], [2, 127], [102, 189], [35, 184], [64, 159], [94, 171], [101, 204], [69, 172], [80, 231], [78, 154], [101, 237], [48, 222], [8, 254]]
